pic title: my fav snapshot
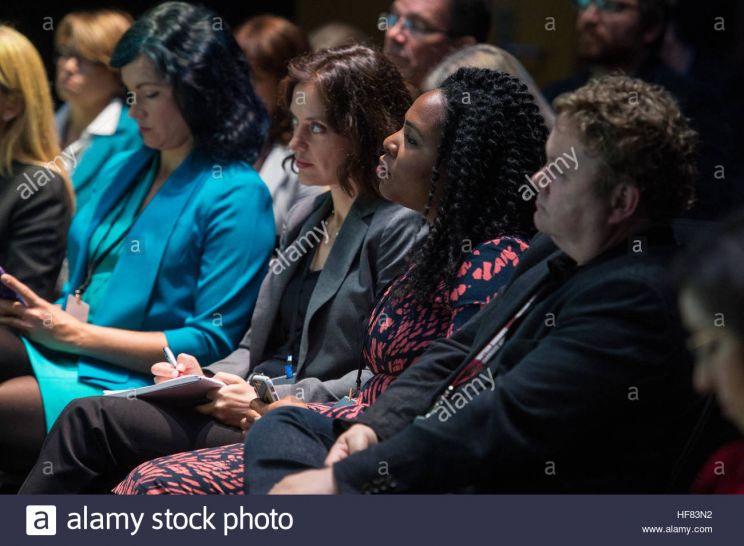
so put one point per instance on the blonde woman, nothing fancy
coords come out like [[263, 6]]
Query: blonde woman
[[92, 123], [36, 201], [35, 195]]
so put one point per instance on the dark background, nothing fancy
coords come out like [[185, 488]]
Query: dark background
[[518, 25]]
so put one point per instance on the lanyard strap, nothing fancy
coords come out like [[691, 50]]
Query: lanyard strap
[[493, 346], [484, 355], [293, 337], [98, 259]]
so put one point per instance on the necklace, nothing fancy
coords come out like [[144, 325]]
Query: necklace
[[337, 228]]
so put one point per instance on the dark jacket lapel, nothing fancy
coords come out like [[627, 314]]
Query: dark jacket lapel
[[281, 270], [339, 262]]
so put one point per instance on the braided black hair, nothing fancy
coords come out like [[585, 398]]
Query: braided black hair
[[492, 136]]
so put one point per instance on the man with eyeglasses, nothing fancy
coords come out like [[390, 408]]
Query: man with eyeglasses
[[420, 33]]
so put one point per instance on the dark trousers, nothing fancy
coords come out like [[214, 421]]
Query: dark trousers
[[283, 442], [97, 441]]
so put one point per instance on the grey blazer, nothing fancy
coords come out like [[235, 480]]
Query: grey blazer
[[369, 252]]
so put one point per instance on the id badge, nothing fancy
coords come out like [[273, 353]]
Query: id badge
[[77, 308]]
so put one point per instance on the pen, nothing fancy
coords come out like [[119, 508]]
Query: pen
[[170, 357]]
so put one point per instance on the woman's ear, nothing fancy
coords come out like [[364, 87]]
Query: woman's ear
[[12, 109]]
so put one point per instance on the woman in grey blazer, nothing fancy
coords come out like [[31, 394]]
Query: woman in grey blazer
[[339, 250], [369, 252], [338, 253]]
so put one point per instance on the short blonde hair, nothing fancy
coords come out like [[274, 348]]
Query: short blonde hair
[[30, 137], [95, 33]]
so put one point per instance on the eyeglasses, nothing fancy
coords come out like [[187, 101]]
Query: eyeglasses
[[606, 6], [82, 62], [414, 26]]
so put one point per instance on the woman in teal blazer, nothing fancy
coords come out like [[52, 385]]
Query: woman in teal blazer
[[174, 243]]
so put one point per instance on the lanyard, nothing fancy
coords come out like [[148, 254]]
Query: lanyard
[[483, 356], [293, 337], [98, 259]]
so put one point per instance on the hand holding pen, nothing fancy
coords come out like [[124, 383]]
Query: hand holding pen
[[175, 367]]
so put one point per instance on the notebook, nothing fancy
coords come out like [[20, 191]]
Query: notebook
[[187, 388]]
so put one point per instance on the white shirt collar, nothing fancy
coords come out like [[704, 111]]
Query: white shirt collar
[[105, 123]]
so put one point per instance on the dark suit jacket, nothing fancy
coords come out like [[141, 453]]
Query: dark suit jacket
[[370, 251], [591, 393], [34, 219]]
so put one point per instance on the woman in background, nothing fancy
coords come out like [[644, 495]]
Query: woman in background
[[269, 43], [93, 124], [172, 249], [36, 197], [711, 300]]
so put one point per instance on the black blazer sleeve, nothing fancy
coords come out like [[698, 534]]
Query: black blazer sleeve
[[553, 404], [33, 228]]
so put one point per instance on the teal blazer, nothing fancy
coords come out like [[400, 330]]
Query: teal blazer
[[102, 148], [191, 266]]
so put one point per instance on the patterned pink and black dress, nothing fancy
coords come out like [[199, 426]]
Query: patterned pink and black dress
[[399, 331]]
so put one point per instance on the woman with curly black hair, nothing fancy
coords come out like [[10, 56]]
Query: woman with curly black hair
[[491, 137], [172, 246], [459, 161]]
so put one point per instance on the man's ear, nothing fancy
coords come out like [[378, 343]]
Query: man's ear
[[13, 108], [625, 199]]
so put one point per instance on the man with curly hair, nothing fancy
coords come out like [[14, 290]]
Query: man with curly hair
[[576, 378]]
